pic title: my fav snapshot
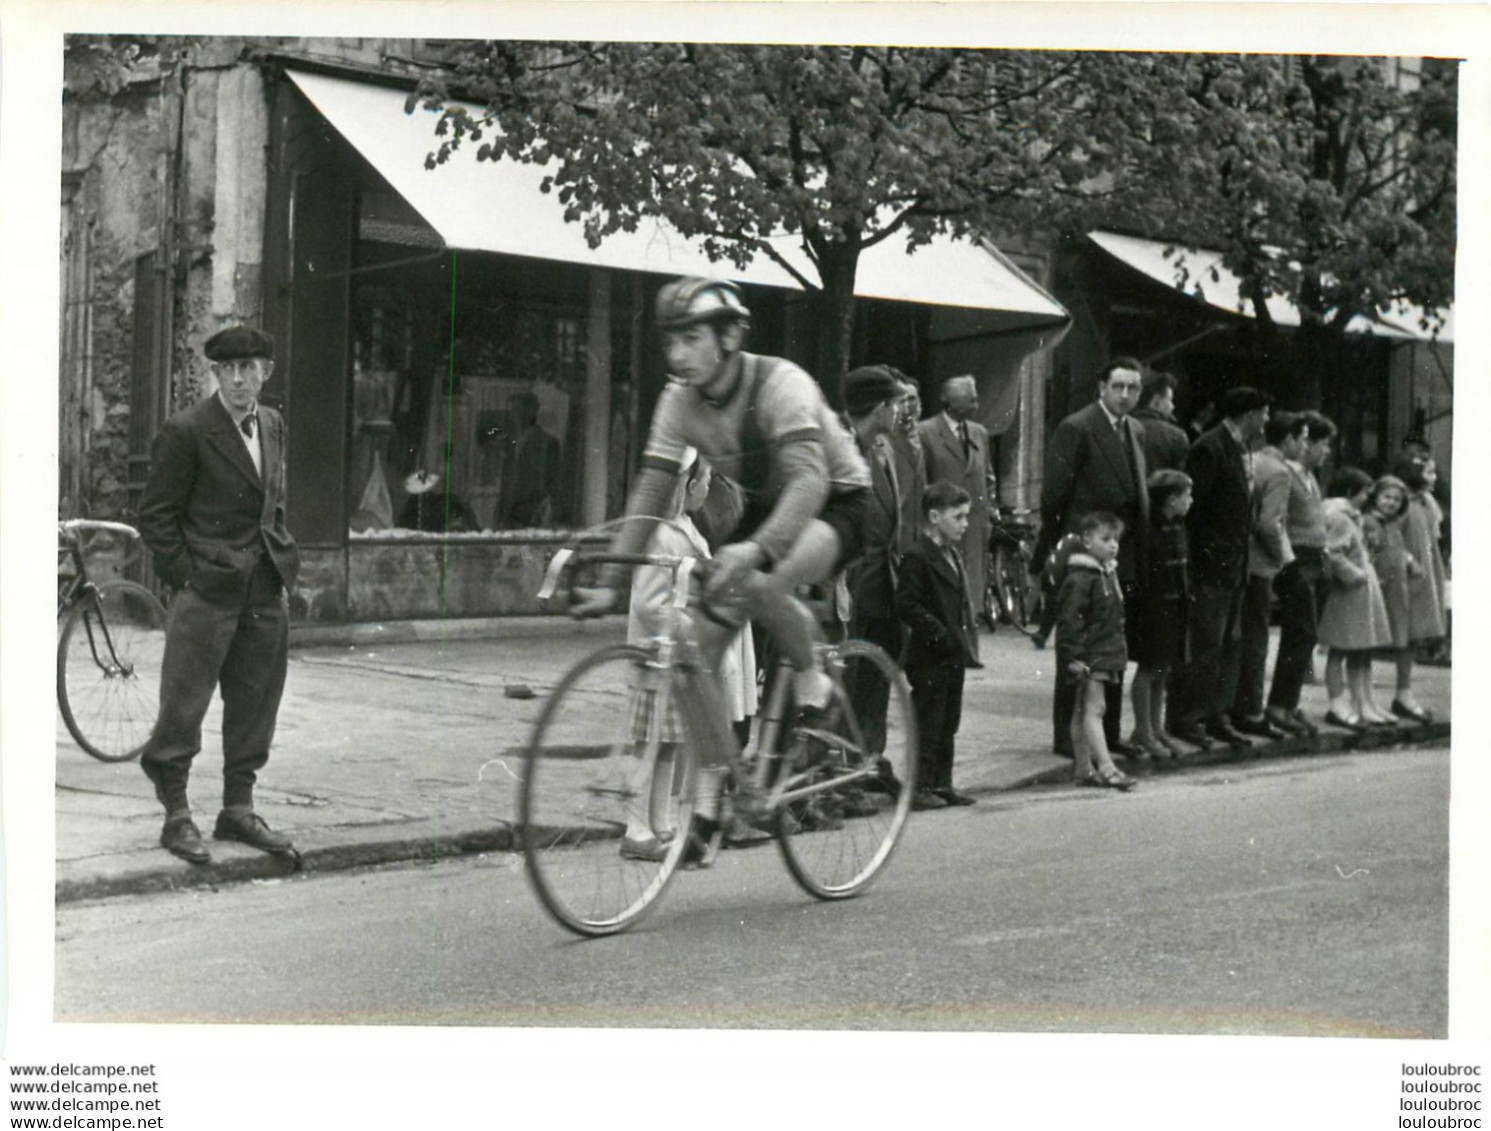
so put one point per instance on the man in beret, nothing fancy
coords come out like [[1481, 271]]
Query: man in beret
[[1220, 524], [213, 516]]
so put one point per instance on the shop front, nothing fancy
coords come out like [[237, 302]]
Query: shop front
[[467, 381]]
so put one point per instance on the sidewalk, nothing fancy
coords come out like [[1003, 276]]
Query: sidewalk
[[403, 741]]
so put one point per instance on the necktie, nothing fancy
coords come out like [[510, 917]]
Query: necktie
[[248, 423], [967, 448]]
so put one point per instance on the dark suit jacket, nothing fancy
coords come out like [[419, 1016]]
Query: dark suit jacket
[[1088, 470], [1165, 443], [911, 482], [942, 451], [1221, 518], [872, 575], [936, 609], [206, 514]]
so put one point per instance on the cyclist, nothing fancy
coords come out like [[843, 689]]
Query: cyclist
[[763, 422]]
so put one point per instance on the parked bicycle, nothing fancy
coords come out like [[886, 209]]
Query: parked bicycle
[[1012, 597], [629, 731], [110, 649]]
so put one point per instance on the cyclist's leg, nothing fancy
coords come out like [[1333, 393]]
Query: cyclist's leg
[[772, 601]]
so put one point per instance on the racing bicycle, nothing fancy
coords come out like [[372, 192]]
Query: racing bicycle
[[630, 732]]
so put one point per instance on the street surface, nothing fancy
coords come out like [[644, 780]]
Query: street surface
[[1299, 897]]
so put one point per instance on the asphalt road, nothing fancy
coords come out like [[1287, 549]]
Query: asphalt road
[[1306, 897]]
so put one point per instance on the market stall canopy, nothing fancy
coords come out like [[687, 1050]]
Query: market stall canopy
[[1198, 272], [500, 207]]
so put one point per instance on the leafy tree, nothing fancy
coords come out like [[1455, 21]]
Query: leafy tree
[[841, 147], [1329, 181]]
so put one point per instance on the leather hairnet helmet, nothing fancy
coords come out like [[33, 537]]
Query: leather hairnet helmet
[[690, 301]]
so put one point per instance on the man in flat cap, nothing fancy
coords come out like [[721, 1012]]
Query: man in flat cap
[[213, 515]]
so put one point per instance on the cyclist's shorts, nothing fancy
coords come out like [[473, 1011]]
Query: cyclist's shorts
[[845, 512]]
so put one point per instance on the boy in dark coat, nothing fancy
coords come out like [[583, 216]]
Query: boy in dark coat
[[1090, 643], [932, 601]]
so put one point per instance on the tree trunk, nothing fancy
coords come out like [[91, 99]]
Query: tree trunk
[[835, 318]]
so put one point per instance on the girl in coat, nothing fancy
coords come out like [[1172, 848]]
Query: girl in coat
[[647, 834], [1425, 605], [1354, 620]]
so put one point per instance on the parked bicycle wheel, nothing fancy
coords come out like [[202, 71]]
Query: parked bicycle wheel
[[109, 669], [607, 791], [854, 784]]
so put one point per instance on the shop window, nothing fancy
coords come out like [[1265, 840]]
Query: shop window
[[467, 423]]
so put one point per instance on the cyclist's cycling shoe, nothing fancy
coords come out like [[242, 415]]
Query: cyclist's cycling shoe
[[652, 848]]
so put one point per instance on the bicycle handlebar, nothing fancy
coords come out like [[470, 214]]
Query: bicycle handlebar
[[73, 526], [567, 558]]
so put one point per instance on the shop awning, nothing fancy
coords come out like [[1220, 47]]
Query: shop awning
[[1198, 272], [500, 207]]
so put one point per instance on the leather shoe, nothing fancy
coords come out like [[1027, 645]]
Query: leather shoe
[[1413, 714], [1261, 727], [1284, 721], [251, 829], [1309, 728], [1125, 750], [181, 837], [1224, 731], [1193, 734], [955, 797], [924, 799], [1345, 722]]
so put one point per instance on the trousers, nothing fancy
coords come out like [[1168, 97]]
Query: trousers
[[937, 701], [1209, 685], [242, 648], [1253, 647], [868, 693], [1297, 587]]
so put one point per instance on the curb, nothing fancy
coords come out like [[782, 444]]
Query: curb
[[504, 838], [421, 631]]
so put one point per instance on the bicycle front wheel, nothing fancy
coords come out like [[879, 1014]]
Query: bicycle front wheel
[[608, 791], [109, 669], [850, 792]]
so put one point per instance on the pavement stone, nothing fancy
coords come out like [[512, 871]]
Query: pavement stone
[[402, 742]]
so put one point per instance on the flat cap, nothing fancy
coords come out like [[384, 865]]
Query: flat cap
[[1241, 400], [237, 342], [868, 386]]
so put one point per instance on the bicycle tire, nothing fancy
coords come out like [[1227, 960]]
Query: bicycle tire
[[109, 660], [835, 852], [582, 783]]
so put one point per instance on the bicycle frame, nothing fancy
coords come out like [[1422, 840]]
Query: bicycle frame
[[80, 587]]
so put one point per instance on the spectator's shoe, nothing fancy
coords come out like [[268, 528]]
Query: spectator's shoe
[[181, 837], [1261, 727], [1345, 721], [1114, 779], [740, 833], [251, 829], [1305, 725], [1172, 747], [1286, 722], [1125, 749], [1224, 731], [1411, 711], [1064, 752], [852, 801], [924, 799], [1195, 734], [955, 797], [885, 780]]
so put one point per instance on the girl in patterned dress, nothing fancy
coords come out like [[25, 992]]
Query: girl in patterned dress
[[1354, 621]]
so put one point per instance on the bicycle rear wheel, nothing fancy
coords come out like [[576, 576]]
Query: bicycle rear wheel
[[847, 806], [109, 667], [610, 754]]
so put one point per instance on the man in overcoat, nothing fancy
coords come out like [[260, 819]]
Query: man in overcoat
[[213, 516], [1095, 462], [1220, 528], [955, 447]]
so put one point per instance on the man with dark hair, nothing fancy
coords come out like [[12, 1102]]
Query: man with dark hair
[[872, 400], [213, 515], [1300, 584], [1095, 462], [911, 464], [1220, 525], [1269, 552], [1165, 442]]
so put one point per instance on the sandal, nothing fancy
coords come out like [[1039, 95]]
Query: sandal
[[1117, 779]]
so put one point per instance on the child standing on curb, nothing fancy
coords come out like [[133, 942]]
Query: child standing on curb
[[932, 601], [1354, 621], [1162, 611], [1090, 644]]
